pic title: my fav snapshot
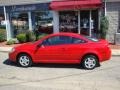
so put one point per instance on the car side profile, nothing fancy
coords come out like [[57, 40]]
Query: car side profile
[[66, 48]]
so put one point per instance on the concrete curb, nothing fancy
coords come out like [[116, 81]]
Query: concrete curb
[[5, 49], [115, 52]]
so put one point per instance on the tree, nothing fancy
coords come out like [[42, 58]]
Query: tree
[[104, 25]]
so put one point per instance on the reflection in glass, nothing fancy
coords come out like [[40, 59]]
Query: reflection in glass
[[84, 22], [19, 22], [68, 21], [44, 22]]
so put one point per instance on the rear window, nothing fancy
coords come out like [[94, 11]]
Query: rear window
[[92, 39]]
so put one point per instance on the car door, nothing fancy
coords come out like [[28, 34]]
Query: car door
[[50, 51], [73, 51]]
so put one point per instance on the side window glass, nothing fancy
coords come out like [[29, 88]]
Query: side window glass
[[46, 42], [51, 41], [58, 40], [77, 41], [54, 40], [65, 39]]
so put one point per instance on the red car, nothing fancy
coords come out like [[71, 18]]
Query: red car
[[66, 48]]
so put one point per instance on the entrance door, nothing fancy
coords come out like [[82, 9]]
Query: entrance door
[[89, 23], [84, 22], [94, 23]]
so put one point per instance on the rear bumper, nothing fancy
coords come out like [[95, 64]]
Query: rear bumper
[[106, 54]]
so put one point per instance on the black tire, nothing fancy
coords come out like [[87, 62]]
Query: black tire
[[89, 62], [24, 60]]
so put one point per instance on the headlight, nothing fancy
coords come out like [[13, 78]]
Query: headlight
[[12, 50]]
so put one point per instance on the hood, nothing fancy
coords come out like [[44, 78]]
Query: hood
[[25, 46]]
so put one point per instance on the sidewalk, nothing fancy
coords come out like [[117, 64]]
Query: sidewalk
[[5, 49], [115, 49]]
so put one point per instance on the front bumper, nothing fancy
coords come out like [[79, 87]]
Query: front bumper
[[12, 56]]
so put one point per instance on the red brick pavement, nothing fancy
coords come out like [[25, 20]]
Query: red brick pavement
[[3, 44], [115, 47]]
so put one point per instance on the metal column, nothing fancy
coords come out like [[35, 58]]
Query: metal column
[[7, 22], [30, 20], [105, 7], [90, 31], [79, 22]]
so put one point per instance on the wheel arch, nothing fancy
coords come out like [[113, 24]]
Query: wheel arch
[[23, 53], [94, 54]]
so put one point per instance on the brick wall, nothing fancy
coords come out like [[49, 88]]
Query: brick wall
[[113, 12]]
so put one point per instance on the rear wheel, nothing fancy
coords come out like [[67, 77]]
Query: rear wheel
[[24, 60], [89, 62]]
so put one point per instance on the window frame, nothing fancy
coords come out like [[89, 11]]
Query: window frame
[[70, 42], [118, 30]]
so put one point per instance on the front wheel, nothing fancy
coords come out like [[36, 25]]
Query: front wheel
[[89, 62], [24, 60]]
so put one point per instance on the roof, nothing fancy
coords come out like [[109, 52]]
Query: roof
[[21, 2]]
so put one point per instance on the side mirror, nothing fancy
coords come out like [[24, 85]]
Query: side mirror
[[40, 45]]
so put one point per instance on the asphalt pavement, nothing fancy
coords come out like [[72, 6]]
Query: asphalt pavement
[[59, 77]]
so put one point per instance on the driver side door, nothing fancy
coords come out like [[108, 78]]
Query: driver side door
[[50, 51]]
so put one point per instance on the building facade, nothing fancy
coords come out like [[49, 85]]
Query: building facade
[[112, 11], [50, 16]]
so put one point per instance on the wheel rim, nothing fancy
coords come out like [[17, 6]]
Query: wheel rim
[[24, 61], [90, 62]]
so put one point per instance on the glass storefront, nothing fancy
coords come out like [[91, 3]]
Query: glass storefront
[[85, 28], [29, 17], [2, 21], [44, 22], [68, 21], [24, 17], [19, 22]]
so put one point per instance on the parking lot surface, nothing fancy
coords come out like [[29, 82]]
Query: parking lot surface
[[59, 77]]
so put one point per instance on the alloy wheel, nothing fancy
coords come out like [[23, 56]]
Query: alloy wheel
[[89, 62], [24, 60]]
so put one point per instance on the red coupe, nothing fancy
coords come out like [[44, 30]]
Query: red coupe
[[66, 48]]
